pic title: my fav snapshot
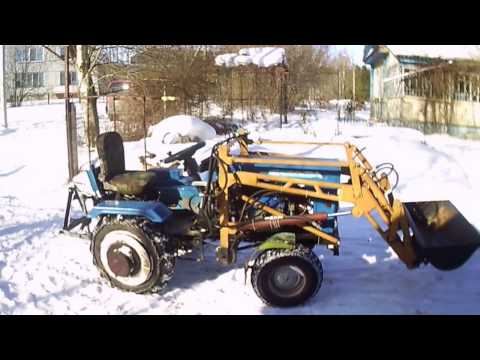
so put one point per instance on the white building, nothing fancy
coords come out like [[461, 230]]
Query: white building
[[435, 88], [32, 72]]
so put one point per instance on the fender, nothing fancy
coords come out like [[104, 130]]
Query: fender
[[156, 212], [277, 241]]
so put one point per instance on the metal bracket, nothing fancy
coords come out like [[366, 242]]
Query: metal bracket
[[69, 224]]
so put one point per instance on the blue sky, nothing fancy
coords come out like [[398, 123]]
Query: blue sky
[[355, 51]]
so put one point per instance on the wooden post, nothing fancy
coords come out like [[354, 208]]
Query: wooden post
[[145, 131], [164, 101], [241, 95], [231, 94], [285, 95], [3, 100], [114, 114], [71, 129], [339, 96], [280, 93], [353, 94]]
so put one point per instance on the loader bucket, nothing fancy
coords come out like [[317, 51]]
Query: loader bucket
[[442, 235]]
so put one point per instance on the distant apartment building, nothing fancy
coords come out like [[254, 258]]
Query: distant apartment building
[[34, 73]]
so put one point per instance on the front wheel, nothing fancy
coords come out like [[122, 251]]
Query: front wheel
[[285, 278]]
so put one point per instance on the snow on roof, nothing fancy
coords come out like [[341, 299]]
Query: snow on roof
[[261, 57], [437, 51]]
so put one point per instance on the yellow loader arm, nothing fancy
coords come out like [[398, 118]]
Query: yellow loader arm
[[418, 232]]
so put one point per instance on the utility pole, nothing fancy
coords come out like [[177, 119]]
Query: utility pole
[[164, 100], [338, 96], [353, 93], [3, 100]]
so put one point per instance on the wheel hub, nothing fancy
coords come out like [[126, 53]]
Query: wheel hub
[[287, 280], [121, 260], [124, 258]]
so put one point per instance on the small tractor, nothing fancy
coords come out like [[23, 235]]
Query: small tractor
[[140, 222]]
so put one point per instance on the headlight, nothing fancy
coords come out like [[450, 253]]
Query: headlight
[[125, 87]]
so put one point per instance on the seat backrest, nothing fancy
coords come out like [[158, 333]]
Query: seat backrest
[[111, 154]]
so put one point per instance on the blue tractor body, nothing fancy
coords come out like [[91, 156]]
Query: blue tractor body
[[156, 212], [316, 173], [174, 193]]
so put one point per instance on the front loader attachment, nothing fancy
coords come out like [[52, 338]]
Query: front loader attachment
[[442, 235]]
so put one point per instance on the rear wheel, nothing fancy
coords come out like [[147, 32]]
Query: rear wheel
[[128, 258], [286, 278]]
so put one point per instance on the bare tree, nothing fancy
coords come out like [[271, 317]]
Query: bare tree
[[24, 72], [86, 59], [188, 69]]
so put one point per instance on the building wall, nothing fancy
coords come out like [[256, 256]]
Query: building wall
[[414, 108], [389, 103], [459, 118], [50, 66]]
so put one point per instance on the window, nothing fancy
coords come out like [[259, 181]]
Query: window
[[118, 55], [29, 80], [461, 88], [407, 81], [476, 88], [61, 50], [26, 54], [73, 78], [388, 83], [118, 86], [417, 84], [20, 80], [36, 53], [37, 80], [21, 55]]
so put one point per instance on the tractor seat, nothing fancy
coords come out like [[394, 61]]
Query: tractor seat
[[131, 183], [112, 168]]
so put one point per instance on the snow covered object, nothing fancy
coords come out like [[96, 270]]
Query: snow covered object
[[181, 128], [263, 57]]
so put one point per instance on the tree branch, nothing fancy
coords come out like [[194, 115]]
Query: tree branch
[[46, 47], [53, 52]]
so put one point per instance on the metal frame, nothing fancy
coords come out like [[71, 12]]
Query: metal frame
[[366, 192], [68, 223]]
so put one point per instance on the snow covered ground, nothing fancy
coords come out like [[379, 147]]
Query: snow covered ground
[[42, 272]]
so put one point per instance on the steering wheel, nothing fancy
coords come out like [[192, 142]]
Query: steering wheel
[[184, 154]]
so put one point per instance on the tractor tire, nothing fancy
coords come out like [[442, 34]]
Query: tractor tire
[[141, 271], [286, 278]]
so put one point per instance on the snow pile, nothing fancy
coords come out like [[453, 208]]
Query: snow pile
[[261, 57], [339, 102], [369, 259], [181, 128], [437, 51], [214, 109]]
